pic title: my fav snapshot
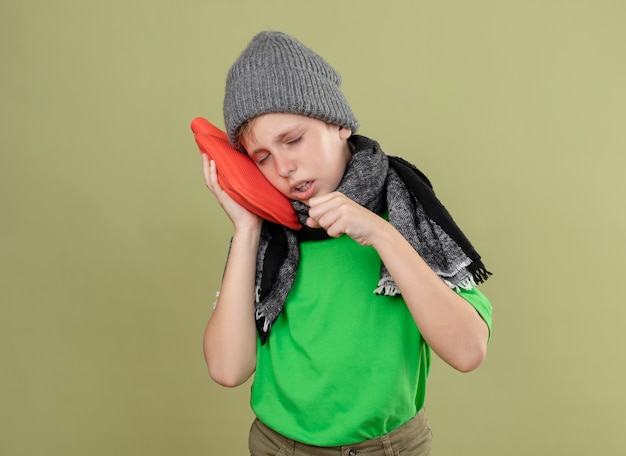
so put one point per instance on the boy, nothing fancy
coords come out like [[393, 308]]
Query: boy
[[337, 320]]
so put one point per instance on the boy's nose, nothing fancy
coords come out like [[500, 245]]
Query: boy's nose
[[284, 166]]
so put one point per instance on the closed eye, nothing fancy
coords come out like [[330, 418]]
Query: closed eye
[[260, 160], [295, 140], [260, 156]]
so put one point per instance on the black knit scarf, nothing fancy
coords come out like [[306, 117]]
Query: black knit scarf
[[382, 184]]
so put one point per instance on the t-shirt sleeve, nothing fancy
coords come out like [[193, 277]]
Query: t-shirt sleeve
[[480, 302]]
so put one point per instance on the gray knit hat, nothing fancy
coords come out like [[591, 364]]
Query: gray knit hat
[[277, 73]]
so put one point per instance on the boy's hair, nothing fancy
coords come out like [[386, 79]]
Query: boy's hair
[[277, 73], [244, 130]]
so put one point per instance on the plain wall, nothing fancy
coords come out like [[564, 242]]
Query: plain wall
[[111, 248]]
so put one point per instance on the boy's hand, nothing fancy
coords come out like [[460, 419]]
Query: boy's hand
[[338, 215], [241, 217]]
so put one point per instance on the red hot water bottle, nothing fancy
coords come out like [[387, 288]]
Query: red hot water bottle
[[241, 179]]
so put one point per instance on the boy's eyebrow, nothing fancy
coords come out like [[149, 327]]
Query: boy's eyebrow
[[281, 137]]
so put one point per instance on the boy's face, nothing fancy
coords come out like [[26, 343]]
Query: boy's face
[[301, 156]]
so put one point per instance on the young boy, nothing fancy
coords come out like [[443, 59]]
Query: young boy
[[336, 320]]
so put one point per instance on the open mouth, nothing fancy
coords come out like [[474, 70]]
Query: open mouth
[[303, 190], [303, 187]]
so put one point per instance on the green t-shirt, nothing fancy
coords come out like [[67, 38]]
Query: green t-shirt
[[342, 364]]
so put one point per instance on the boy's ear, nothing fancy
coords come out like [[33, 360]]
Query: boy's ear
[[345, 133]]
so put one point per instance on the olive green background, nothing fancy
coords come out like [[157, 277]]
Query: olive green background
[[111, 248]]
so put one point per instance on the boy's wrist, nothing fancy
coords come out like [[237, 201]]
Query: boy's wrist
[[386, 237], [247, 231]]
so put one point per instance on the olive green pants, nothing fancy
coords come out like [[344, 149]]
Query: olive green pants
[[411, 439]]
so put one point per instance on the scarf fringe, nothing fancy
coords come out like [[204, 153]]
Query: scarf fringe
[[466, 284], [480, 274], [263, 324], [387, 288]]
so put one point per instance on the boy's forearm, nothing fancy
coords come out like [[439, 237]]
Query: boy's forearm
[[450, 325], [230, 336]]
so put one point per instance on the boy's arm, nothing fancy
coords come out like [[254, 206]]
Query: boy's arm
[[230, 336], [448, 323]]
